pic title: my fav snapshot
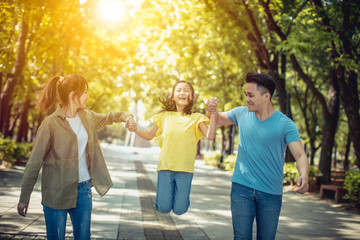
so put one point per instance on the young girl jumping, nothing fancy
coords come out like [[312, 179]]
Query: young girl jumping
[[180, 130]]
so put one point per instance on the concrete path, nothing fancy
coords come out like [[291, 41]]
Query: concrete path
[[127, 211]]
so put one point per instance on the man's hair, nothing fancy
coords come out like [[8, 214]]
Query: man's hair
[[262, 80]]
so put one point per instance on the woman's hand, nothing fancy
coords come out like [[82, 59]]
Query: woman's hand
[[22, 209], [130, 124]]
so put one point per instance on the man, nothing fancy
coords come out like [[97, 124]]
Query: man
[[264, 133]]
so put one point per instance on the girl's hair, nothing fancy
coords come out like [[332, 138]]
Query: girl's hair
[[60, 87], [169, 103]]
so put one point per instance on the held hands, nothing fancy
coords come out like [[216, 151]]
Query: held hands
[[211, 105], [130, 124], [302, 183], [22, 209]]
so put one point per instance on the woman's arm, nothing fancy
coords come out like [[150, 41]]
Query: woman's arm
[[33, 166], [103, 119], [209, 132]]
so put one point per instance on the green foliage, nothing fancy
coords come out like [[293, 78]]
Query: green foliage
[[229, 163], [212, 158], [291, 173], [352, 185], [10, 151], [22, 151], [7, 149]]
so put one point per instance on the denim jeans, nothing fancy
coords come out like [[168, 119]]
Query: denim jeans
[[55, 219], [247, 204], [173, 191]]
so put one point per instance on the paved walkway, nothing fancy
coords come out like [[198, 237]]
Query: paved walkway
[[127, 211]]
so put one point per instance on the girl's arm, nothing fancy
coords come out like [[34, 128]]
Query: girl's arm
[[209, 132], [147, 134]]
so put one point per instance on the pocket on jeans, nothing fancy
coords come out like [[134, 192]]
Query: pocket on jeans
[[87, 189]]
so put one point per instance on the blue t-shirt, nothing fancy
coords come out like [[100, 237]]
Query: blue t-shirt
[[262, 145]]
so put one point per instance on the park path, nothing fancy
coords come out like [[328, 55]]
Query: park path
[[127, 210]]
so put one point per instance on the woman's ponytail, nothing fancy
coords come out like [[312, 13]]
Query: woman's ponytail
[[48, 95]]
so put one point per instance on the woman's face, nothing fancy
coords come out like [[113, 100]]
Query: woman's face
[[81, 101], [182, 94]]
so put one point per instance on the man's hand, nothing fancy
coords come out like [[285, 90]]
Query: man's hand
[[303, 185], [22, 209], [211, 105]]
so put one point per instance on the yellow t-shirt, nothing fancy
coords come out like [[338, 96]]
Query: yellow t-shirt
[[179, 135]]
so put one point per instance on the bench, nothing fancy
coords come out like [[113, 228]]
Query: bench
[[338, 177], [326, 188]]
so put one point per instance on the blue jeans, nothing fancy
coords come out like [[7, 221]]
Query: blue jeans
[[55, 219], [247, 204], [173, 191]]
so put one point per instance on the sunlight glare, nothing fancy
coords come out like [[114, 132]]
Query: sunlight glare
[[112, 10]]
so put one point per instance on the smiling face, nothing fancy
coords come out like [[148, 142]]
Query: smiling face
[[254, 97], [182, 95]]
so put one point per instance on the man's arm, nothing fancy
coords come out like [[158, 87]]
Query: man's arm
[[221, 117], [302, 165]]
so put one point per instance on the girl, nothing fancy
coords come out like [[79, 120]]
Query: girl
[[179, 130], [67, 148]]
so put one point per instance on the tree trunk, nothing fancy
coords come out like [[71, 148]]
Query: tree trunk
[[12, 80], [22, 129], [350, 101], [329, 129], [347, 151], [213, 146], [223, 143], [231, 136]]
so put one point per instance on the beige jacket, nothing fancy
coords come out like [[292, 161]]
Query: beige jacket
[[56, 150]]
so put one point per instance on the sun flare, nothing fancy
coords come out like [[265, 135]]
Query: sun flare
[[111, 10]]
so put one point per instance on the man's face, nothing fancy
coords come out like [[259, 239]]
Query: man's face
[[254, 98]]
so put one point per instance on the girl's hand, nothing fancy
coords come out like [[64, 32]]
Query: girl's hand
[[130, 124], [22, 209], [132, 127], [211, 105]]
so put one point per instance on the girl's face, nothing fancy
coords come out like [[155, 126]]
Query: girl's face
[[182, 95]]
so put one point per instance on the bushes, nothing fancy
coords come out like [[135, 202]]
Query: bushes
[[212, 158], [7, 149], [12, 152], [352, 185], [229, 163]]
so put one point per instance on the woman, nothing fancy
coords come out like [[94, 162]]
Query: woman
[[180, 130], [67, 148]]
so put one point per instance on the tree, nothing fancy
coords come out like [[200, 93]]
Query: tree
[[345, 56]]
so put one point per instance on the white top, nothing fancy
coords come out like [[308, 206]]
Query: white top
[[82, 138]]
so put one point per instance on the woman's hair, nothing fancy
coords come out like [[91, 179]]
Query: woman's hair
[[60, 87], [169, 103]]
